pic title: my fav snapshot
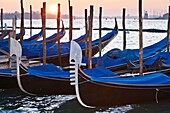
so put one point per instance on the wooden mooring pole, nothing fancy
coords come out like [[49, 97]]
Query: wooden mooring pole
[[44, 31], [90, 38], [22, 31], [16, 21], [14, 28], [100, 32], [124, 29], [168, 33], [140, 39], [9, 46], [68, 3], [70, 22], [2, 19], [58, 30], [86, 32], [41, 16], [30, 20]]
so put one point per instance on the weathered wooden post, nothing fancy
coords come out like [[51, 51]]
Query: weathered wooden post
[[16, 21], [86, 37], [9, 46], [58, 30], [42, 16], [70, 22], [2, 19], [44, 31], [100, 32], [69, 3], [14, 28], [90, 37], [124, 29], [168, 33], [140, 39], [30, 20], [22, 30]]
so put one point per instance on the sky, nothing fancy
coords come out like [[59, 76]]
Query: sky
[[109, 7]]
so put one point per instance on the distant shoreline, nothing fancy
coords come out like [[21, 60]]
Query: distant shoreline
[[36, 15]]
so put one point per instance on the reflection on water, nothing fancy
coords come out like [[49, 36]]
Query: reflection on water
[[11, 100], [14, 101], [120, 109]]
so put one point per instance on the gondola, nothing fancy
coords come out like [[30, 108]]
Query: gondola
[[4, 34], [120, 59], [124, 59], [38, 80], [53, 38], [100, 87], [34, 37], [33, 40], [52, 51]]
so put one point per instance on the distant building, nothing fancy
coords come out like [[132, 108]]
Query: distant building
[[165, 16], [145, 15]]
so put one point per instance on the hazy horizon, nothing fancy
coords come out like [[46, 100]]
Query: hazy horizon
[[110, 7]]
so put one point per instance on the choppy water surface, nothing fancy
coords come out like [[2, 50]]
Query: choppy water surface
[[12, 102]]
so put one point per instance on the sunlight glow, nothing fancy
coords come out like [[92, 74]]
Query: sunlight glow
[[53, 9]]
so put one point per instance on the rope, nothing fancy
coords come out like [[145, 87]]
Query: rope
[[84, 82], [102, 48], [156, 95]]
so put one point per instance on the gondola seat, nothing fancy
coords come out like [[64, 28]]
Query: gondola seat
[[163, 64], [133, 67]]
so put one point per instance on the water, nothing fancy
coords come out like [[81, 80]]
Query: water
[[16, 102]]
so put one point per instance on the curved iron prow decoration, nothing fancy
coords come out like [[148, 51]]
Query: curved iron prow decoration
[[107, 28], [57, 36], [3, 35], [35, 37], [76, 61], [63, 28], [19, 34], [63, 31], [16, 49], [116, 25]]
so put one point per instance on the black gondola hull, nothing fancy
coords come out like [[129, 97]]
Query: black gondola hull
[[38, 85], [110, 94]]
